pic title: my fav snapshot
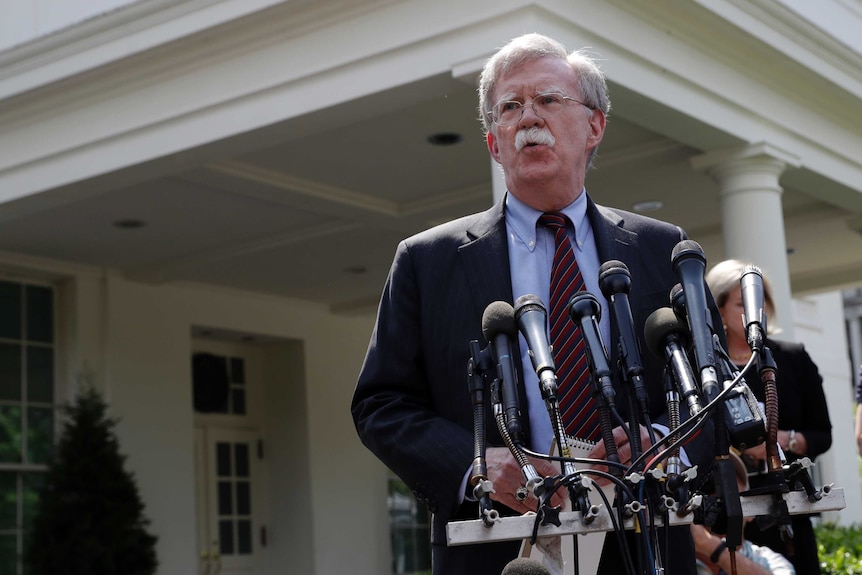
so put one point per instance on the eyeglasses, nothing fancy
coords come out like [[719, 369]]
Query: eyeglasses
[[509, 112]]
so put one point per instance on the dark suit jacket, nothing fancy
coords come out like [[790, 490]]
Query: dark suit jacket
[[411, 405]]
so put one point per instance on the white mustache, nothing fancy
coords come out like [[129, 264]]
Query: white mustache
[[533, 135]]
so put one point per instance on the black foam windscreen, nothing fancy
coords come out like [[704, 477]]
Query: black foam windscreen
[[524, 566], [499, 317]]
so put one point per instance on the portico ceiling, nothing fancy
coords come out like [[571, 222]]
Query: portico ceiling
[[311, 204]]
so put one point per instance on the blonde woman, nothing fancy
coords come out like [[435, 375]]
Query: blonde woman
[[804, 428]]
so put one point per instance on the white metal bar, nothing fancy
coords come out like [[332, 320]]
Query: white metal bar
[[521, 527]]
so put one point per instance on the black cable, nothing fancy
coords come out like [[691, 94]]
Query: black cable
[[695, 422], [683, 433]]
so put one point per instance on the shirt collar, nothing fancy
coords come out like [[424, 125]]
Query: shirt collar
[[522, 219]]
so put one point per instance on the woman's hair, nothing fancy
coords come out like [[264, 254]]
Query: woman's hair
[[724, 277]]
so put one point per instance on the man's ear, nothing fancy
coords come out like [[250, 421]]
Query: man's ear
[[597, 127], [493, 148]]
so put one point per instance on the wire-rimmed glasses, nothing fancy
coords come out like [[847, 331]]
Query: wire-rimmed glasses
[[509, 112]]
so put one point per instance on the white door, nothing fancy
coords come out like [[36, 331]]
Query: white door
[[231, 533]]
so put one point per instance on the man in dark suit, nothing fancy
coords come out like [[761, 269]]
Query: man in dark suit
[[544, 112]]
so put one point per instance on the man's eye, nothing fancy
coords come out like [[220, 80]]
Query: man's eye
[[509, 106], [549, 99]]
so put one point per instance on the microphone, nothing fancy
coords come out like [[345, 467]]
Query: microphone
[[667, 336], [498, 327], [689, 263], [677, 302], [615, 281], [532, 320], [524, 566], [585, 311], [753, 318], [742, 417]]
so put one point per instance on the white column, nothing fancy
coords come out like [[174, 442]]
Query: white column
[[498, 181], [752, 219]]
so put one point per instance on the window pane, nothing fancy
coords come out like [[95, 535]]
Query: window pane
[[222, 405], [225, 531], [8, 500], [33, 485], [25, 541], [10, 434], [423, 548], [10, 371], [40, 434], [225, 498], [409, 530], [223, 466], [10, 310], [237, 397], [237, 370], [243, 537], [8, 555], [40, 374], [241, 459], [40, 314], [243, 498], [399, 551]]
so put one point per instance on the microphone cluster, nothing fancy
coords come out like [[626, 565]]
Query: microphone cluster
[[698, 372]]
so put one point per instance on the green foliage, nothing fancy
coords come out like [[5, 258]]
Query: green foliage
[[90, 517], [839, 549]]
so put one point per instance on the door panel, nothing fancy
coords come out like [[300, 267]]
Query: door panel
[[230, 530]]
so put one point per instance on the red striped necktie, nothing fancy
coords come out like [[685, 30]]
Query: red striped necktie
[[580, 417]]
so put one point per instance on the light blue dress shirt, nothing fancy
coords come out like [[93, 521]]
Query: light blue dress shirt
[[531, 254]]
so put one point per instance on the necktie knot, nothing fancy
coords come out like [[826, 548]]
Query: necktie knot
[[554, 220]]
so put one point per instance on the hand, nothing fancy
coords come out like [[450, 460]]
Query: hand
[[757, 452], [506, 475], [624, 450], [800, 445]]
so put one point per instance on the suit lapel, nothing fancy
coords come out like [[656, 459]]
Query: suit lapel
[[614, 242], [485, 258]]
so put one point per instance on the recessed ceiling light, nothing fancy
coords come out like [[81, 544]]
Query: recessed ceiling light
[[444, 139], [130, 224], [648, 206]]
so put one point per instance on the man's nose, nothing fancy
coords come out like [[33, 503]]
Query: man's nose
[[529, 116]]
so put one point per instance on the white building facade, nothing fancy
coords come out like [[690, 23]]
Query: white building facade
[[231, 177]]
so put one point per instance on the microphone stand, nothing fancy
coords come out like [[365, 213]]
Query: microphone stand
[[738, 421], [774, 482], [584, 310], [634, 425], [477, 367], [548, 387], [531, 318], [726, 517], [674, 462], [549, 515], [534, 482], [798, 469]]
